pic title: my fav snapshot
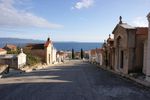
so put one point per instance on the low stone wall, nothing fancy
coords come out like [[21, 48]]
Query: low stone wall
[[3, 68]]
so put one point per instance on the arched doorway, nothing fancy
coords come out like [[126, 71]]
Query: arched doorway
[[120, 53]]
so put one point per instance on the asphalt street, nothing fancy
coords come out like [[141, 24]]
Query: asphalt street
[[74, 80]]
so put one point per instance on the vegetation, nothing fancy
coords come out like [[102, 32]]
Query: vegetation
[[73, 55], [13, 52], [32, 60], [17, 51], [82, 54]]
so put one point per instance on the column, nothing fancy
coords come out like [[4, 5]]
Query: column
[[148, 52]]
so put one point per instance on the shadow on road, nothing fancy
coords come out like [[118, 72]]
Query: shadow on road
[[71, 81]]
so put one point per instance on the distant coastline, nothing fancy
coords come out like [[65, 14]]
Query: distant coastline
[[58, 45]]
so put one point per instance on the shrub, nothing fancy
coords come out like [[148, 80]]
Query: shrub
[[32, 60]]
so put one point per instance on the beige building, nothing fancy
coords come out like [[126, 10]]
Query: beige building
[[147, 52], [2, 51], [110, 52], [99, 57], [129, 47], [13, 60], [10, 47], [60, 56], [92, 56], [45, 51]]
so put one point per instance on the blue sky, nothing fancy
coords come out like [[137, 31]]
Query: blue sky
[[69, 20]]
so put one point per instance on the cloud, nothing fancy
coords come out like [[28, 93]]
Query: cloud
[[11, 17], [83, 4], [140, 22]]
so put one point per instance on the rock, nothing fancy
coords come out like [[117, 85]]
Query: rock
[[28, 70]]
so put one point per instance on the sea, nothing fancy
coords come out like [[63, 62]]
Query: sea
[[65, 46]]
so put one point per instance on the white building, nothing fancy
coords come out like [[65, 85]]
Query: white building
[[60, 56], [92, 56], [2, 51], [13, 60], [54, 51]]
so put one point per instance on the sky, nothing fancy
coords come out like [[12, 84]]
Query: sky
[[69, 20]]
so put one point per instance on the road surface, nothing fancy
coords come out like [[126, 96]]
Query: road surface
[[74, 80]]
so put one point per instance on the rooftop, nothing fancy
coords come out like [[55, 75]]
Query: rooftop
[[11, 46], [8, 56], [1, 50], [35, 46], [126, 26]]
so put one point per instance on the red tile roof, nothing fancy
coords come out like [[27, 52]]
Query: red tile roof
[[35, 46], [93, 52], [99, 50], [48, 42], [1, 50], [10, 46], [60, 53]]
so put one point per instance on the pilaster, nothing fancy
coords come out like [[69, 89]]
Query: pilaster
[[148, 51]]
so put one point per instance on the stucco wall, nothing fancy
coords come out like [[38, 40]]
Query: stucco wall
[[39, 53]]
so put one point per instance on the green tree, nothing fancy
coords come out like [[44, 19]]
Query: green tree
[[82, 54], [73, 56]]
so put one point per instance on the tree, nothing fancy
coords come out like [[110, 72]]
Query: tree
[[73, 54], [82, 55]]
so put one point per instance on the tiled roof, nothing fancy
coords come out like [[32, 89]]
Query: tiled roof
[[60, 53], [35, 46], [142, 31], [93, 52], [99, 50], [10, 46], [1, 50], [48, 42]]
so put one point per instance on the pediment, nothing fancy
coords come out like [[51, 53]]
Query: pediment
[[124, 26]]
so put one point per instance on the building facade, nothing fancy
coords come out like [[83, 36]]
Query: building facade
[[13, 60], [147, 52], [10, 47], [129, 48], [3, 51], [110, 52], [45, 51], [92, 56]]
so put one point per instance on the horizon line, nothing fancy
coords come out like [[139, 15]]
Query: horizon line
[[54, 41]]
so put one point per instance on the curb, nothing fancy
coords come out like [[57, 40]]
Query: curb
[[138, 81]]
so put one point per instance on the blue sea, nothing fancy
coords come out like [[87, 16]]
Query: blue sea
[[58, 45], [76, 45]]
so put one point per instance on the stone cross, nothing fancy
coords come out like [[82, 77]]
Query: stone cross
[[21, 50], [120, 20]]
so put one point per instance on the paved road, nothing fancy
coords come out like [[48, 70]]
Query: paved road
[[74, 80]]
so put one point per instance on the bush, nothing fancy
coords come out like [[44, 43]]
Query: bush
[[13, 52], [32, 60]]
